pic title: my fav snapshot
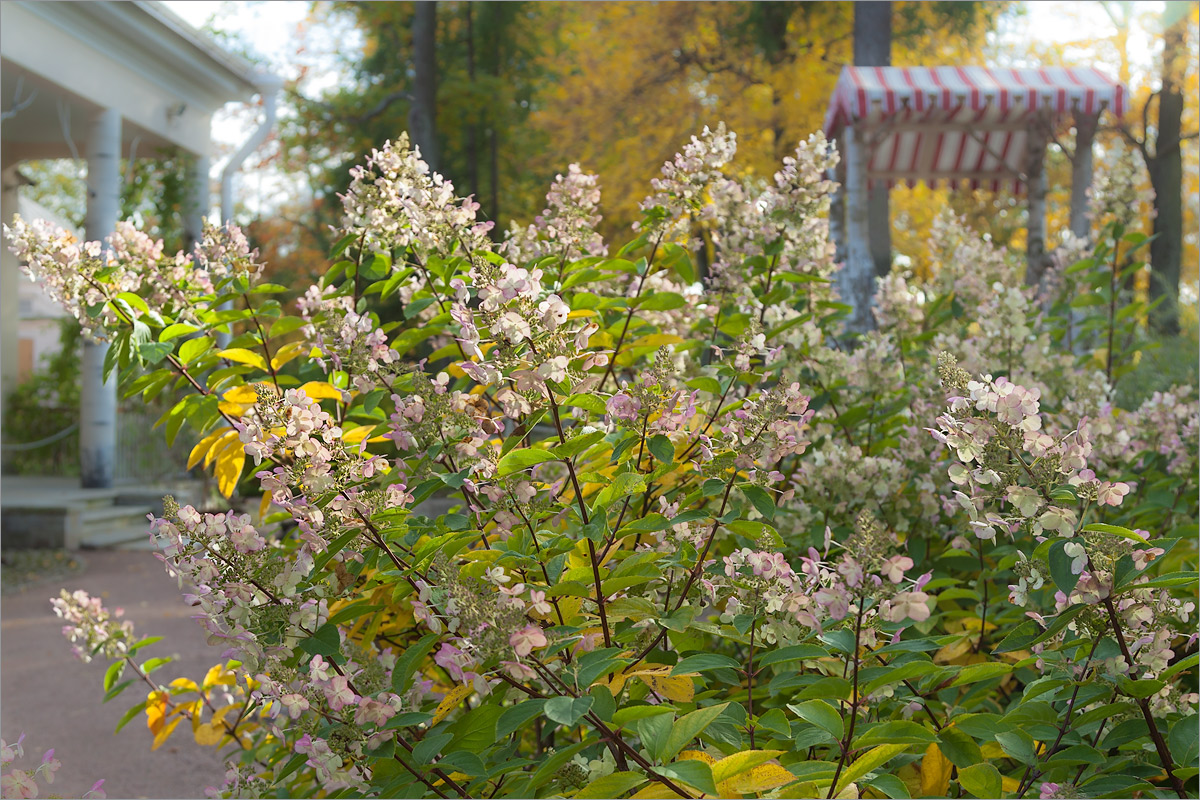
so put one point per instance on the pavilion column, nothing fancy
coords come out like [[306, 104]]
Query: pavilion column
[[857, 275], [1036, 259], [1081, 182], [98, 398], [1081, 174], [10, 309], [199, 203], [837, 206]]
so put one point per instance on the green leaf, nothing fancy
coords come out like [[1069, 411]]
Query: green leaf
[[576, 444], [614, 784], [654, 732], [693, 773], [904, 672], [1115, 530], [867, 762], [522, 459], [407, 663], [662, 301], [129, 716], [567, 710], [1060, 567], [516, 717], [897, 731], [797, 652], [703, 662], [113, 674], [688, 727], [959, 748], [625, 483], [981, 780], [1018, 744], [192, 349], [178, 329], [761, 499], [821, 714], [973, 673], [662, 448], [1184, 739], [325, 641]]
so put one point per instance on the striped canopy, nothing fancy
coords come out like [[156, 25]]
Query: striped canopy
[[960, 123]]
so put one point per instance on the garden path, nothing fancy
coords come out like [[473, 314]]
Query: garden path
[[56, 700]]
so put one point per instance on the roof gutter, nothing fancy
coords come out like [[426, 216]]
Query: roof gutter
[[268, 86]]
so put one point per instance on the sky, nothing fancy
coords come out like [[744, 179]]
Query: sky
[[274, 32]]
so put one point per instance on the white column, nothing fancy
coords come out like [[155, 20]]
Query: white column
[[98, 402], [199, 201], [1081, 181], [858, 274], [837, 204], [10, 271]]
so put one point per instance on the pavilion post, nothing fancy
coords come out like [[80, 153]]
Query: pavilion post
[[199, 202], [857, 275], [1036, 259], [98, 398], [1081, 174], [1081, 182], [837, 205]]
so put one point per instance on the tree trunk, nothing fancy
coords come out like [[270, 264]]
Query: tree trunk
[[1166, 175], [873, 48], [1035, 176], [422, 115]]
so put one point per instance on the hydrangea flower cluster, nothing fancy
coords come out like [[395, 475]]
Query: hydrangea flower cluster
[[566, 229], [91, 628]]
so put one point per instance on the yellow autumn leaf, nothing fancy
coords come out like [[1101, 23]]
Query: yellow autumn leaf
[[204, 446], [244, 394], [762, 778], [228, 436], [1009, 784], [356, 435], [935, 773], [738, 763], [287, 353], [264, 506], [806, 790], [184, 685], [452, 699], [241, 355], [165, 732], [992, 750], [218, 675], [678, 688], [229, 467], [696, 755], [952, 651], [212, 732], [156, 710], [320, 390]]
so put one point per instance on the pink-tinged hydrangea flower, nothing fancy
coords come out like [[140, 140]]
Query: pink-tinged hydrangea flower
[[908, 605], [624, 406], [19, 783], [895, 567], [1111, 494], [526, 640], [339, 694], [294, 704]]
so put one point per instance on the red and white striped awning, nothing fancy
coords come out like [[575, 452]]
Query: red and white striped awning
[[960, 123]]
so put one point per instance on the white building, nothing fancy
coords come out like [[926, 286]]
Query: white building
[[90, 80]]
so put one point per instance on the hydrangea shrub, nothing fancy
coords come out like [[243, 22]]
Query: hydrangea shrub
[[694, 542]]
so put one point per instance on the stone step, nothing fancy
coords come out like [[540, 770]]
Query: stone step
[[111, 516], [120, 538]]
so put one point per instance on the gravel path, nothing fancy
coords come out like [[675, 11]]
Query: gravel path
[[56, 700]]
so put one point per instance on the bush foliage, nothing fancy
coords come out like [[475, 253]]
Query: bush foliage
[[566, 519]]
